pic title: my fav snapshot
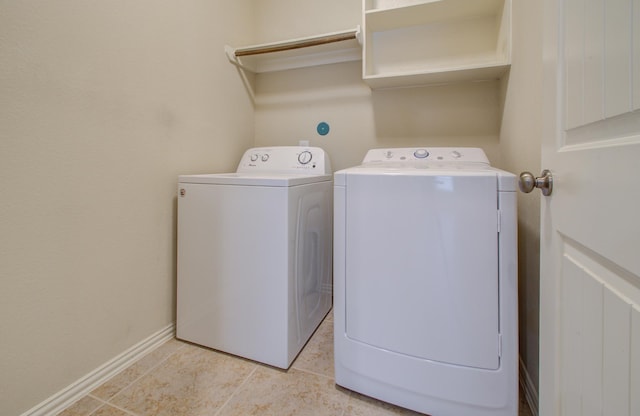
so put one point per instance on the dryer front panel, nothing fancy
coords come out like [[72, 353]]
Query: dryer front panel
[[422, 266]]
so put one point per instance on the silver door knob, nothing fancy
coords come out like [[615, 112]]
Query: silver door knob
[[544, 182]]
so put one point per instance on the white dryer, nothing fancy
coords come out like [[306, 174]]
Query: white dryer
[[425, 281], [255, 254]]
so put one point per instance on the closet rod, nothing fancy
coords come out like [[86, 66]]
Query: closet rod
[[297, 44]]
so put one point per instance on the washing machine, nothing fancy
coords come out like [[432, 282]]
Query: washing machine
[[255, 254], [425, 281]]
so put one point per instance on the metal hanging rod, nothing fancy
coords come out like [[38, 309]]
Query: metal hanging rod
[[298, 43]]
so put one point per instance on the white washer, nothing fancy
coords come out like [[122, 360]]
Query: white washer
[[425, 281], [254, 254]]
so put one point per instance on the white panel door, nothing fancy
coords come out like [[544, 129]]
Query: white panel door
[[590, 224]]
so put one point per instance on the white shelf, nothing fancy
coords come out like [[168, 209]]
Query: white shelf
[[448, 75], [418, 42], [322, 49], [425, 12]]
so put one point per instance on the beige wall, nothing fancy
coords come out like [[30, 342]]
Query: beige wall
[[520, 142], [290, 104], [277, 20], [102, 105]]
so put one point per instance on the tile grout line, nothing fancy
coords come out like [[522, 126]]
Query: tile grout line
[[128, 412], [108, 401], [104, 403], [244, 382], [303, 370]]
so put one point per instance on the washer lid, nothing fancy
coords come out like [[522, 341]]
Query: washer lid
[[254, 179]]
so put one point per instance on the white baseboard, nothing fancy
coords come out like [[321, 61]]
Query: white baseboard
[[86, 384], [530, 392]]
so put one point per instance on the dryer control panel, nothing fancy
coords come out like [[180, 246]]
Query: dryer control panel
[[285, 159], [426, 154]]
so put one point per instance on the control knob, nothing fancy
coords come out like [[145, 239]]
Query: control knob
[[305, 157], [421, 153]]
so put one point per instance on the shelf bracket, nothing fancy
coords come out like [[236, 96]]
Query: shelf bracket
[[233, 58]]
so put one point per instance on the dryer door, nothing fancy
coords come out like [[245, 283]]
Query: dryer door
[[422, 266]]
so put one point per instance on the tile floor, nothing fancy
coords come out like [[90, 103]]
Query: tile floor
[[183, 379]]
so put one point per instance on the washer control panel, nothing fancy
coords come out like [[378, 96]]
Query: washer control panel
[[286, 159], [426, 154]]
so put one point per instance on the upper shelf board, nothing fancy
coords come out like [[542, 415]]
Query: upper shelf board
[[322, 49], [435, 11]]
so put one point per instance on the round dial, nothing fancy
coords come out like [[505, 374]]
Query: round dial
[[254, 157], [421, 153], [305, 157], [265, 157]]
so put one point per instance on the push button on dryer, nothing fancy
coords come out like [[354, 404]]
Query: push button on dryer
[[421, 153]]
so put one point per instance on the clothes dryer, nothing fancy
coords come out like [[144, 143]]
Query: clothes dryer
[[425, 280], [255, 254]]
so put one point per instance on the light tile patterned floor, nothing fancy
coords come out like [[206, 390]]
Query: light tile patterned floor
[[183, 379]]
